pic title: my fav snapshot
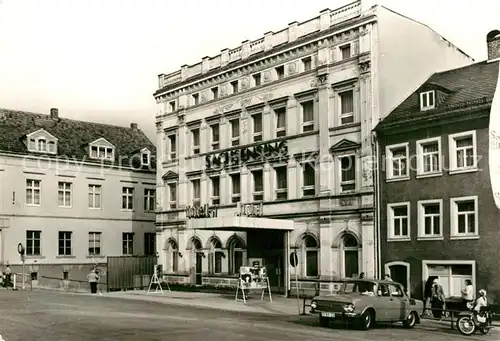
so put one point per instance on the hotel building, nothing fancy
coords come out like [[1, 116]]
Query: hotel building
[[266, 148]]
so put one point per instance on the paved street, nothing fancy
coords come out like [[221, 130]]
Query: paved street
[[50, 316]]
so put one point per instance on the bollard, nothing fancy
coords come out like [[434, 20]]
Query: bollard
[[14, 282]]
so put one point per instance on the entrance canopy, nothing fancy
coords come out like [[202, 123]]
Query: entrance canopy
[[240, 223]]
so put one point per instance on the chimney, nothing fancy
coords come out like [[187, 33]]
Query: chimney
[[54, 113], [133, 126], [493, 43]]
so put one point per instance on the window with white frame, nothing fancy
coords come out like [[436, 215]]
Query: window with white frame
[[345, 51], [258, 185], [257, 127], [64, 194], [215, 130], [172, 195], [42, 144], [235, 187], [346, 107], [172, 147], [33, 243], [149, 200], [310, 256], [281, 190], [397, 161], [145, 158], [398, 220], [94, 243], [33, 191], [463, 151], [215, 190], [307, 109], [127, 198], [235, 131], [101, 152], [348, 173], [127, 243], [150, 243], [452, 276], [196, 192], [64, 248], [215, 257], [308, 179], [280, 116], [464, 217], [430, 218], [95, 196], [427, 100], [429, 156], [307, 64], [195, 141]]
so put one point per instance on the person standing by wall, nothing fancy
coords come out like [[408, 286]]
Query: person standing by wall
[[8, 276], [467, 294], [93, 278], [437, 299]]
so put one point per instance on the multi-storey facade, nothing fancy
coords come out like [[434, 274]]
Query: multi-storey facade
[[73, 193], [284, 121], [438, 216]]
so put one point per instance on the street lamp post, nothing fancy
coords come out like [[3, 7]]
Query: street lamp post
[[21, 250]]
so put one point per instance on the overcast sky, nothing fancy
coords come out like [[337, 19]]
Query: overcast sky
[[99, 59]]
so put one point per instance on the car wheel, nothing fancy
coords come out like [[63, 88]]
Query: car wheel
[[410, 320], [324, 321], [366, 320]]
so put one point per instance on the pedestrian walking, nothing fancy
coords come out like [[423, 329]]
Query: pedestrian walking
[[8, 276], [93, 278]]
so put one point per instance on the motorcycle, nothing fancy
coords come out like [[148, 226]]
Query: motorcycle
[[469, 322]]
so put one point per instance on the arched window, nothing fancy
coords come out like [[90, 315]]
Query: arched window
[[310, 256], [215, 257], [236, 249], [351, 255], [173, 256]]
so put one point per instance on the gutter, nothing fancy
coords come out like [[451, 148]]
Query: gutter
[[376, 177]]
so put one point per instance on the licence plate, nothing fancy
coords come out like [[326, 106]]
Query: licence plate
[[327, 314]]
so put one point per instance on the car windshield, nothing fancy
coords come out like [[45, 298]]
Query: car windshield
[[359, 287]]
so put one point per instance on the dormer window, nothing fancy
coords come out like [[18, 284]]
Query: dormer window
[[102, 149], [42, 145], [42, 141], [145, 157], [427, 100]]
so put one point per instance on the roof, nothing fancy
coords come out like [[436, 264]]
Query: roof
[[73, 136], [461, 88]]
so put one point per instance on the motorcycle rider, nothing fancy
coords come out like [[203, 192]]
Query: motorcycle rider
[[481, 303]]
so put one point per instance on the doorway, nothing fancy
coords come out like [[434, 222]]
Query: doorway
[[198, 267], [351, 256]]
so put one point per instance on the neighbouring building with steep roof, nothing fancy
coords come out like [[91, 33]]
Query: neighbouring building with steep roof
[[436, 209], [73, 193], [266, 148]]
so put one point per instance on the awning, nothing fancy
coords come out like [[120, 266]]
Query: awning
[[239, 224]]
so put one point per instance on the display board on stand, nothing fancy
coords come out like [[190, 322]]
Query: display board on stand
[[253, 278], [155, 279]]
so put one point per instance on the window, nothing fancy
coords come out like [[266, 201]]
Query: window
[[451, 276], [280, 121], [310, 256], [345, 51], [33, 243], [172, 195], [95, 196], [427, 100], [101, 152], [65, 275], [128, 243], [397, 161], [149, 200], [464, 217], [214, 128], [196, 99], [42, 145], [429, 156], [348, 170], [64, 194], [145, 158], [150, 243], [33, 192], [172, 106], [172, 256], [280, 72], [195, 136], [309, 180], [172, 147], [258, 185], [52, 147], [215, 257], [346, 107], [463, 151], [65, 243], [215, 93], [398, 221], [234, 86], [307, 63], [307, 116], [235, 132], [235, 188], [94, 243], [430, 219], [256, 79], [236, 249], [196, 194], [257, 127], [281, 183], [127, 198], [215, 193]]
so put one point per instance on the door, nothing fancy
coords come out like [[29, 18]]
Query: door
[[198, 267], [351, 263], [399, 273]]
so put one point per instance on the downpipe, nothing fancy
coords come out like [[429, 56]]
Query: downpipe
[[376, 189]]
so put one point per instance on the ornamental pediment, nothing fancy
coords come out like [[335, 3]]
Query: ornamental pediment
[[344, 145]]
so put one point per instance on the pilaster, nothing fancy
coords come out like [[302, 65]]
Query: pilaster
[[204, 189], [325, 159], [246, 189], [324, 19], [267, 182], [293, 31], [368, 244], [223, 133], [224, 188], [367, 161], [267, 123], [204, 138], [292, 179], [292, 116]]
